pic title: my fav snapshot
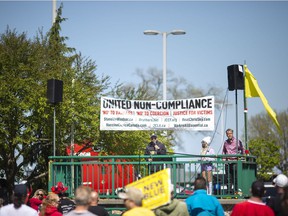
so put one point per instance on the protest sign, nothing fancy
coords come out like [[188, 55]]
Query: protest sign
[[155, 187], [186, 114]]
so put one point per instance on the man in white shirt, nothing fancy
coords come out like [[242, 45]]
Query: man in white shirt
[[18, 207]]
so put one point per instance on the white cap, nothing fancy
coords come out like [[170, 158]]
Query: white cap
[[133, 194], [281, 180], [207, 140]]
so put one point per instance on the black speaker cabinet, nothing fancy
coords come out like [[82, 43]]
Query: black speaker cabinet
[[235, 77], [54, 91]]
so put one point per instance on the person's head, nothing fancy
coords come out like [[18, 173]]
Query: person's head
[[83, 196], [206, 142], [94, 198], [153, 137], [200, 183], [39, 194], [19, 195], [229, 133], [132, 197], [281, 181], [258, 189], [52, 200]]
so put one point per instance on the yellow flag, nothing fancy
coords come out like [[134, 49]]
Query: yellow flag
[[252, 90]]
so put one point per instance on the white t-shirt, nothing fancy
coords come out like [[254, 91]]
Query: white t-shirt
[[80, 213], [9, 210]]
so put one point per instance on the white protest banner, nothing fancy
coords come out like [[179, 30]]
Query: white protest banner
[[195, 114], [155, 187]]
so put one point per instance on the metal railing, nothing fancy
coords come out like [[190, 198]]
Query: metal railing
[[109, 174]]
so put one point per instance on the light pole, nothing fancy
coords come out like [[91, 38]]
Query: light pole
[[164, 35]]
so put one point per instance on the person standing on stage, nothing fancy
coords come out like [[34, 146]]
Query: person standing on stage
[[155, 148], [231, 147], [207, 167]]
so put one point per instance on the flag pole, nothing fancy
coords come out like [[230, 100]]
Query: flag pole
[[245, 112], [236, 107]]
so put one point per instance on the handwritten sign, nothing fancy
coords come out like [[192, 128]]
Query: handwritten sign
[[155, 187]]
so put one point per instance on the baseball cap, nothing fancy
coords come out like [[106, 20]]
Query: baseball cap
[[20, 190], [281, 180], [131, 193]]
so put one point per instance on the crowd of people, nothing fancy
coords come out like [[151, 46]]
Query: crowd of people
[[56, 203], [200, 203]]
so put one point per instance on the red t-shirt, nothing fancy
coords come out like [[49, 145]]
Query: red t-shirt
[[35, 203], [250, 208]]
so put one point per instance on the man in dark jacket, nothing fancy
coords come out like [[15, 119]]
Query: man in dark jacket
[[94, 207], [155, 148]]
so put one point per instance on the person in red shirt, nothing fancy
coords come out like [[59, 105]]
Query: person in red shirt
[[254, 206], [36, 201]]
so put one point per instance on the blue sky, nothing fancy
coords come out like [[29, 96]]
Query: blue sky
[[218, 34]]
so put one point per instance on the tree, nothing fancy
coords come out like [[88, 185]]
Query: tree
[[261, 127], [26, 119], [177, 87], [268, 156]]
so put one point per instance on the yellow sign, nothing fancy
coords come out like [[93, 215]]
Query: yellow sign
[[155, 187]]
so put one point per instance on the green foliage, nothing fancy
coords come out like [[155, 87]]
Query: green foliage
[[26, 119], [17, 98], [268, 156], [262, 127]]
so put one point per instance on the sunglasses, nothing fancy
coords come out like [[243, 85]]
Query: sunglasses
[[40, 194]]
